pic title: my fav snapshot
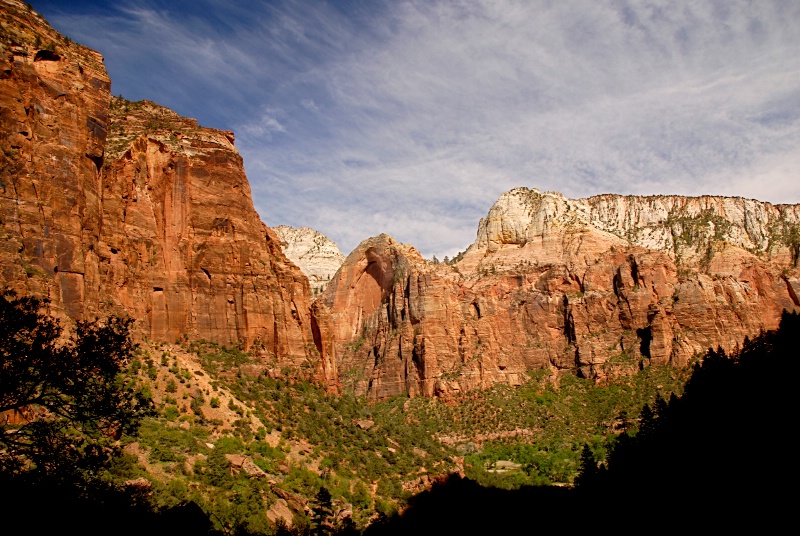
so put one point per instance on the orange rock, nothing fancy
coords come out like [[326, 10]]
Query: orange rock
[[563, 284], [113, 207]]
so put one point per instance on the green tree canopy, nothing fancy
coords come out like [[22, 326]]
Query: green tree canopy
[[63, 400]]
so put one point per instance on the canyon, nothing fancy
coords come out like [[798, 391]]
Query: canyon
[[601, 287], [111, 207]]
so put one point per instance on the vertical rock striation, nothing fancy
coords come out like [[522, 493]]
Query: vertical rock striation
[[599, 286], [113, 207], [182, 247], [54, 98]]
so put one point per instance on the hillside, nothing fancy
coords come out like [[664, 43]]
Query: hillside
[[296, 389]]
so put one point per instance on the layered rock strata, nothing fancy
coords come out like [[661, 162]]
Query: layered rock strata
[[114, 207], [54, 98], [317, 255], [599, 286], [182, 247]]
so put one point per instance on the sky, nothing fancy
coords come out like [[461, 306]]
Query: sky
[[361, 117]]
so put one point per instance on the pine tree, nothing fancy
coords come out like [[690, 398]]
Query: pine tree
[[588, 470], [70, 400], [323, 512]]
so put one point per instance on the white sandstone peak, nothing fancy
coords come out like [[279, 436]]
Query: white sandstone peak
[[314, 253], [677, 225]]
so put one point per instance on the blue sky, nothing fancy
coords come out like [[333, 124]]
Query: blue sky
[[412, 117]]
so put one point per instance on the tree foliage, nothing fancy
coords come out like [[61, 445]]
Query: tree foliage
[[727, 437], [63, 399]]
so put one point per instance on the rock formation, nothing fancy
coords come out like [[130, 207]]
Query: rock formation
[[182, 247], [113, 207], [54, 98], [600, 286], [316, 255]]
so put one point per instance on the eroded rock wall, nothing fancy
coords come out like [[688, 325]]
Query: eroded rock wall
[[113, 207], [182, 247], [555, 283], [54, 98]]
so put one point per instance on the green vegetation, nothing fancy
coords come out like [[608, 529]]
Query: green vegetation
[[698, 233], [62, 401], [698, 445], [543, 427], [235, 441], [372, 455], [786, 234]]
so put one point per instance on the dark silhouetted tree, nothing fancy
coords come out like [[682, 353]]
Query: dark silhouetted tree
[[63, 401], [589, 471], [647, 422], [323, 511]]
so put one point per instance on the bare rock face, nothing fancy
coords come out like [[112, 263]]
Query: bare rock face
[[599, 286], [182, 247], [688, 229], [316, 255], [54, 98], [113, 207]]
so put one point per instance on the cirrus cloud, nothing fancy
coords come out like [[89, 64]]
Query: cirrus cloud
[[412, 117]]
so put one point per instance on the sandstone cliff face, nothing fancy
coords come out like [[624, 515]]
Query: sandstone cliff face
[[599, 286], [53, 119], [316, 255], [687, 228], [112, 207], [182, 248], [127, 208]]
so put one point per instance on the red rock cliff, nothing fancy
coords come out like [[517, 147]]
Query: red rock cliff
[[182, 248], [599, 286], [53, 119], [127, 208]]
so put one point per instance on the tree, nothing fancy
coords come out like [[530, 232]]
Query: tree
[[647, 423], [219, 468], [64, 401], [589, 471], [323, 511]]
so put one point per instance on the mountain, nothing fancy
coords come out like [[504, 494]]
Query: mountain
[[115, 207], [600, 286], [316, 254], [111, 207]]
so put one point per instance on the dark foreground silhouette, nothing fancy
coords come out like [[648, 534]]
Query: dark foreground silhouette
[[720, 457]]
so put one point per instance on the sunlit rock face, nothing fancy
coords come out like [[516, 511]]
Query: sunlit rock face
[[113, 207], [183, 249], [54, 98], [314, 253], [599, 286]]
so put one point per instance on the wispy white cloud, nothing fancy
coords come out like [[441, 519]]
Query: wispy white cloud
[[310, 105], [412, 117], [264, 125]]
